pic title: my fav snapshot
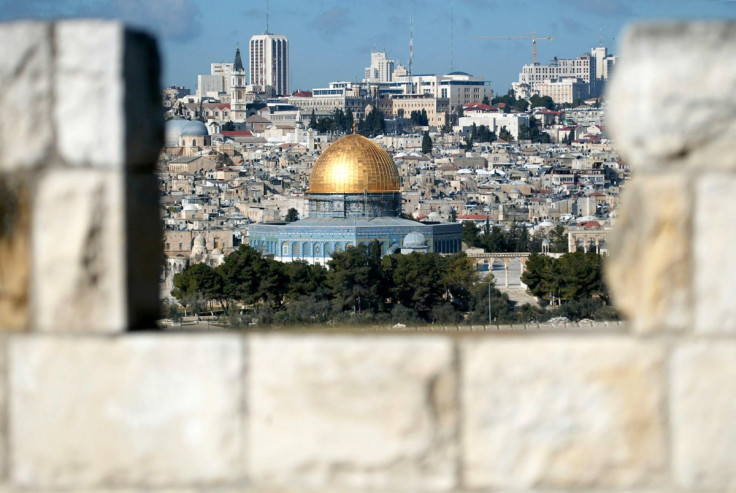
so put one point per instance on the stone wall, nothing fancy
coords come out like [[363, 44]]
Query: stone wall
[[647, 408]]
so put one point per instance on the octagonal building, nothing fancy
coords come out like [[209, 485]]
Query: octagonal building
[[354, 197]]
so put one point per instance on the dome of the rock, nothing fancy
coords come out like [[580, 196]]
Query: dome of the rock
[[354, 164]]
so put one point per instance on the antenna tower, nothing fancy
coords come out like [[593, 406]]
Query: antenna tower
[[267, 8], [452, 36], [411, 51]]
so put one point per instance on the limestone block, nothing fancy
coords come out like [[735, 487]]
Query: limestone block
[[140, 411], [352, 412], [714, 263], [107, 112], [95, 257], [561, 413], [703, 413], [15, 252], [650, 266], [668, 95], [26, 68]]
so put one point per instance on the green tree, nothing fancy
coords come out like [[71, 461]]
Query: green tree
[[426, 143], [197, 282], [416, 281], [373, 124], [504, 134], [485, 100], [306, 280], [292, 215], [470, 234], [313, 121], [539, 276], [469, 145], [542, 101], [459, 276], [354, 278], [241, 272], [532, 132], [558, 239], [521, 105], [501, 308]]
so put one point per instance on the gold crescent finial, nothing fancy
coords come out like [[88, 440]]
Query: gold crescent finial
[[355, 126]]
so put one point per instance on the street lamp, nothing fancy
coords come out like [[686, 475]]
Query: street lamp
[[489, 301]]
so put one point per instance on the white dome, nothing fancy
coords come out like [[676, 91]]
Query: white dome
[[415, 240], [199, 241], [434, 216]]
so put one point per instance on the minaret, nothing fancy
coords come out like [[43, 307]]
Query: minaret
[[238, 110]]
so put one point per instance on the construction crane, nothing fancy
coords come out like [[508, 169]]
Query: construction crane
[[533, 37]]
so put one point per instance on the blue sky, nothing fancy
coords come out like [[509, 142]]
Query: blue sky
[[332, 39]]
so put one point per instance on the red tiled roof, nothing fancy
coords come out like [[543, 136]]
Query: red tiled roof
[[303, 94], [477, 106], [237, 133], [591, 224]]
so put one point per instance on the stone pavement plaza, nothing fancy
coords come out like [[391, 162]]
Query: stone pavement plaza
[[87, 405]]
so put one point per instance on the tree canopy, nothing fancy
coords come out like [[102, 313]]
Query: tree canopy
[[373, 124], [362, 287], [291, 215], [426, 143]]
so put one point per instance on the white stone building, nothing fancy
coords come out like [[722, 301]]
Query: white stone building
[[563, 90], [381, 69], [494, 122], [269, 62]]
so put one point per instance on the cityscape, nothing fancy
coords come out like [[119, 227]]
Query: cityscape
[[463, 246], [484, 182]]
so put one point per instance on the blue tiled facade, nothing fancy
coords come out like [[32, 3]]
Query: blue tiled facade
[[315, 239]]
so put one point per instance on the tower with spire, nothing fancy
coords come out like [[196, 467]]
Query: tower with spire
[[237, 90]]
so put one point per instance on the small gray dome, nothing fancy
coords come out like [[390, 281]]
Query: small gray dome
[[172, 131], [415, 240], [194, 128], [178, 127]]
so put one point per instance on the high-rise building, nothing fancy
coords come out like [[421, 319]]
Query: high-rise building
[[237, 90], [269, 62], [381, 68], [224, 70]]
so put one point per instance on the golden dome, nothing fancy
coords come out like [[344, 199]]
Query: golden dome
[[354, 164]]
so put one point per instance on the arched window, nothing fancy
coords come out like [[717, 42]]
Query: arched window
[[295, 250], [284, 249]]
